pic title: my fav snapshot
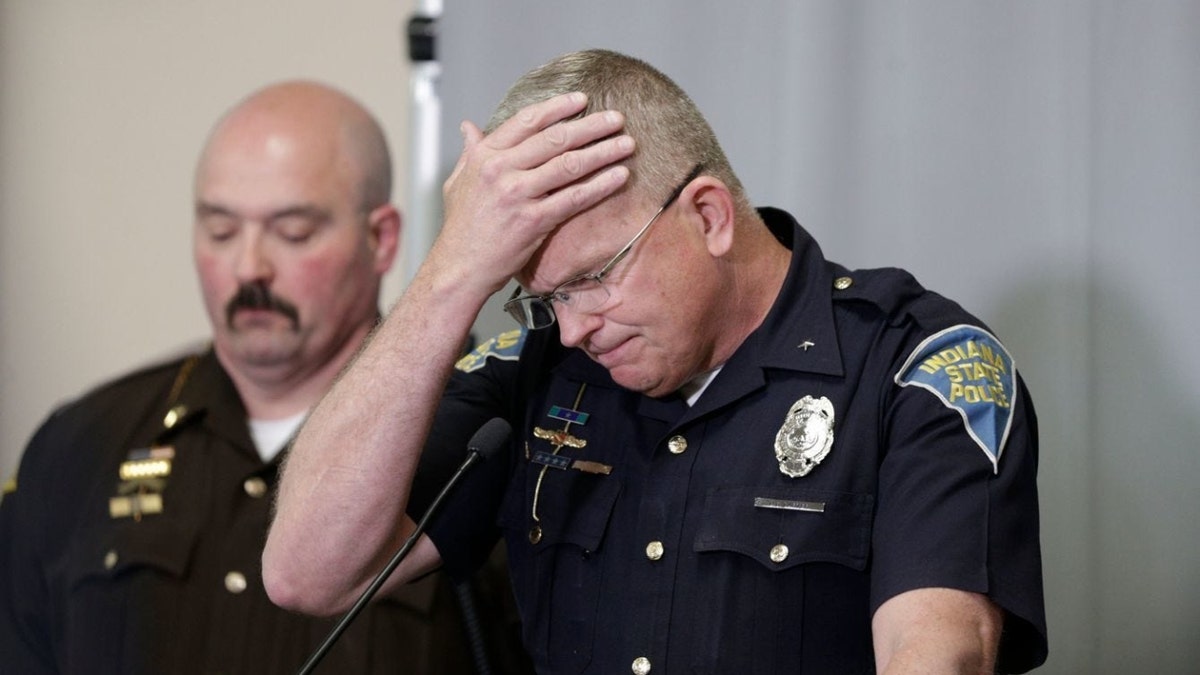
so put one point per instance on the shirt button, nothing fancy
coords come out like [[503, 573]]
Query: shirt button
[[677, 445], [779, 553], [641, 665], [654, 550], [235, 582], [842, 283], [255, 487], [110, 559]]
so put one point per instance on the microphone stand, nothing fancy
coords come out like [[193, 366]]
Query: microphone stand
[[387, 570]]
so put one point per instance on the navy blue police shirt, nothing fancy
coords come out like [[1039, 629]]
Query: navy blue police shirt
[[869, 438]]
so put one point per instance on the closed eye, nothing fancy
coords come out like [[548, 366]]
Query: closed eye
[[218, 226], [296, 228]]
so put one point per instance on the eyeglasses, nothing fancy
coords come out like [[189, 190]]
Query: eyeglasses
[[587, 292]]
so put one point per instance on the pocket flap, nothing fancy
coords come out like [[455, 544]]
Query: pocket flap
[[162, 544], [813, 525], [572, 509]]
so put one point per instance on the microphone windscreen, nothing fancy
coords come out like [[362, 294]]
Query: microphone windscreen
[[490, 438]]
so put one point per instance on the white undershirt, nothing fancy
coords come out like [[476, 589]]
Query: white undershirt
[[692, 389], [270, 436]]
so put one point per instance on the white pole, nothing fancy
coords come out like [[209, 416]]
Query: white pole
[[422, 207]]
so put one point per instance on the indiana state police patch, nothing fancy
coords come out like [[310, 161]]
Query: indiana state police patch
[[505, 346], [972, 373]]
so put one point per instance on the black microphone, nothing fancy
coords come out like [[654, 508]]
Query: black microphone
[[486, 442]]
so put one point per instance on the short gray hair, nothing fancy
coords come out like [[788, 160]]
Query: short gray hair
[[672, 135]]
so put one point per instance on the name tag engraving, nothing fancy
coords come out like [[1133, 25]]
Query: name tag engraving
[[789, 505]]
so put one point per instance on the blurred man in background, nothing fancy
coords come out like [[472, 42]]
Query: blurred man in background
[[131, 540]]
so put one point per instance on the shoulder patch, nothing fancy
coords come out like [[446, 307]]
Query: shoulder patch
[[971, 372], [505, 346]]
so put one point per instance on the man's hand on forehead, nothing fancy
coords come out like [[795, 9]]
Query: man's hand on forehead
[[550, 132], [546, 147], [511, 188]]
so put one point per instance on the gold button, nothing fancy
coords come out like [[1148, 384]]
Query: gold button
[[110, 560], [535, 534], [842, 283], [779, 553], [641, 665], [677, 445], [174, 415], [654, 550], [235, 582], [255, 487]]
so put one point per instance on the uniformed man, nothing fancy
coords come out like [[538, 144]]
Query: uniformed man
[[729, 455], [132, 540]]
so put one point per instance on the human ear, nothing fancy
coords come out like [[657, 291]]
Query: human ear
[[710, 201], [383, 230]]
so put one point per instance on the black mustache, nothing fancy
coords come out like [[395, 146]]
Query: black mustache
[[258, 296]]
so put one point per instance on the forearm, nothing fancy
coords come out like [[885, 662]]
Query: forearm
[[937, 630], [927, 658], [345, 486]]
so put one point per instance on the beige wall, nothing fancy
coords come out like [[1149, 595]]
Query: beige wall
[[103, 107]]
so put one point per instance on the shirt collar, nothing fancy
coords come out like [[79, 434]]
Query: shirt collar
[[207, 396], [798, 333]]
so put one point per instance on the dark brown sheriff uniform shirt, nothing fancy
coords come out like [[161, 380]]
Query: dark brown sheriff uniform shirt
[[157, 569]]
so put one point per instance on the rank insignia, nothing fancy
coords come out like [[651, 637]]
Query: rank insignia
[[973, 374], [805, 437]]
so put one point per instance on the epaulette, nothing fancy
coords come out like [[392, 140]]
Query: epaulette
[[960, 361], [888, 288]]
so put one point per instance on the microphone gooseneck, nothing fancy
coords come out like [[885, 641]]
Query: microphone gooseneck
[[485, 443]]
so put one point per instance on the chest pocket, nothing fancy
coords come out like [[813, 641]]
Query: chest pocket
[[162, 546], [112, 573], [782, 527], [771, 559], [559, 576]]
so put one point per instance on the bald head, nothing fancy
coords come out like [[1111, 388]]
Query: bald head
[[315, 120], [293, 233]]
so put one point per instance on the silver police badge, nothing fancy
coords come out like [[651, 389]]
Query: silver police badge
[[805, 437]]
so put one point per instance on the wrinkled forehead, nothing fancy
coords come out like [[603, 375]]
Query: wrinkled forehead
[[582, 244]]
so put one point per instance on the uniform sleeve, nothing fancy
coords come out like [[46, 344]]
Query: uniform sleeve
[[477, 392], [957, 497], [483, 386]]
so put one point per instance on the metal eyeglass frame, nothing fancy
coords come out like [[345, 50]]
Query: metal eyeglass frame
[[535, 311]]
